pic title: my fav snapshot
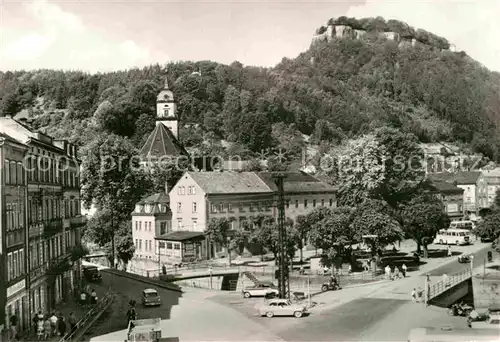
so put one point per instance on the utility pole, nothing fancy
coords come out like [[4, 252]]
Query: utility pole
[[111, 197], [284, 285]]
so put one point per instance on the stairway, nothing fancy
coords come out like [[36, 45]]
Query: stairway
[[251, 276]]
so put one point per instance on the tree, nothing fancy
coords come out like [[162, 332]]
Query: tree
[[111, 176], [332, 232], [218, 231], [359, 169], [302, 227], [124, 243], [267, 235], [423, 217], [489, 227], [375, 217]]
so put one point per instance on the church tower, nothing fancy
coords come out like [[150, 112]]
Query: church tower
[[165, 110]]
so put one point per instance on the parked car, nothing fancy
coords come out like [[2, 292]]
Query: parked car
[[492, 322], [282, 307], [261, 289], [150, 297], [91, 274]]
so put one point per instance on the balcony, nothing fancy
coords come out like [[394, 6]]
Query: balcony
[[77, 221], [59, 265], [52, 227]]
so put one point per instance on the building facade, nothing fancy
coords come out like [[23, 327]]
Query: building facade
[[151, 218], [13, 251], [452, 198], [53, 216], [472, 183], [491, 185]]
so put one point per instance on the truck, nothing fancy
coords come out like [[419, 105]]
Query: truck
[[144, 330]]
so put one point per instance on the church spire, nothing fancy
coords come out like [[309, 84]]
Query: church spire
[[165, 86]]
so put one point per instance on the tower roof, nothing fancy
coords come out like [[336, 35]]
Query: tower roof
[[161, 142], [165, 95]]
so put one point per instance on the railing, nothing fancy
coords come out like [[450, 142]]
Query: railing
[[455, 279], [88, 318]]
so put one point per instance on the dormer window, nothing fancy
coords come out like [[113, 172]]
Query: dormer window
[[148, 208], [138, 208]]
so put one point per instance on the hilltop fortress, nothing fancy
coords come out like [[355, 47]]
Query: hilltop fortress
[[394, 30]]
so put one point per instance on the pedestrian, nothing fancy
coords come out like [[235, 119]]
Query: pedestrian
[[72, 322], [449, 251], [61, 326], [414, 295], [404, 268], [35, 322], [325, 270], [83, 298], [388, 272], [93, 297], [39, 327], [420, 293], [445, 279], [13, 327], [53, 324], [47, 329]]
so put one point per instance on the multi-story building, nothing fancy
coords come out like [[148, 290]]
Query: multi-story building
[[452, 198], [491, 183], [151, 218], [471, 182], [303, 192], [53, 215], [199, 197], [13, 267]]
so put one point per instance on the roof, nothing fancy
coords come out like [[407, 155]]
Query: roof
[[149, 291], [227, 182], [466, 177], [162, 142], [159, 197], [6, 137], [491, 173], [446, 187], [297, 182], [180, 236]]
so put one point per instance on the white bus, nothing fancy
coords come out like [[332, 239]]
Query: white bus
[[452, 335], [463, 224], [452, 236]]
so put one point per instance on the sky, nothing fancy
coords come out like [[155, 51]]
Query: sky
[[100, 36]]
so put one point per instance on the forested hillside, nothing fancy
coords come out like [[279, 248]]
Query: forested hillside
[[333, 91]]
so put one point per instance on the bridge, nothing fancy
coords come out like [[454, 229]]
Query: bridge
[[446, 293]]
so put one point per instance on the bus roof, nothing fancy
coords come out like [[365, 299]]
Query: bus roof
[[460, 230]]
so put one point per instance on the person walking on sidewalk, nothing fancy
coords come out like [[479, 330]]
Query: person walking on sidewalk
[[53, 324], [61, 326], [404, 268], [13, 328], [414, 295], [93, 297], [83, 298], [72, 322], [449, 251]]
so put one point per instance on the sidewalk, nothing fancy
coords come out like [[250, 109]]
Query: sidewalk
[[66, 307]]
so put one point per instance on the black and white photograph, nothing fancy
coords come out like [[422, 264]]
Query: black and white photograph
[[249, 170]]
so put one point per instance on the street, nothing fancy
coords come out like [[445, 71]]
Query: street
[[455, 266], [380, 311]]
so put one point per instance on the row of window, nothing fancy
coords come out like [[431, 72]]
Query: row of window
[[14, 173], [148, 245], [138, 226], [169, 245], [44, 250], [194, 224], [314, 203], [15, 264], [49, 209], [181, 190], [194, 207], [14, 216]]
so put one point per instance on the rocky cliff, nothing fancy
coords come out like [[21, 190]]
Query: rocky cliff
[[394, 30]]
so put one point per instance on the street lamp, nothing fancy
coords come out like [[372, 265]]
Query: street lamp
[[229, 250]]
